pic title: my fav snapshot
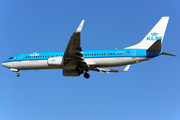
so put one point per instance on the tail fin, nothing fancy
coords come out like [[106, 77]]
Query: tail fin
[[156, 47], [157, 32]]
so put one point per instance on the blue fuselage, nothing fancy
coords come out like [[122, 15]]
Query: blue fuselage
[[100, 58]]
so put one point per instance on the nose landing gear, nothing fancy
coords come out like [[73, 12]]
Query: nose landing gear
[[17, 74]]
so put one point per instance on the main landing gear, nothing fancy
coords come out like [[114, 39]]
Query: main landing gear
[[86, 75], [80, 71]]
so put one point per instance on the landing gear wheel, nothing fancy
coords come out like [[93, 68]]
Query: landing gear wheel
[[86, 75], [17, 74]]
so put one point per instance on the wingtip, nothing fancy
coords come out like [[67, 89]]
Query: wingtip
[[126, 68], [78, 30]]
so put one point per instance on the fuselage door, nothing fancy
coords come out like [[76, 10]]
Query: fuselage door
[[133, 54], [20, 57]]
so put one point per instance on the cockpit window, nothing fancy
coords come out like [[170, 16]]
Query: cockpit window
[[10, 58]]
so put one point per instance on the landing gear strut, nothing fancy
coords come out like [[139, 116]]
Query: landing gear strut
[[79, 70], [17, 74], [86, 75]]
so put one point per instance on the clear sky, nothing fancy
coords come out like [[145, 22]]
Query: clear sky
[[148, 91]]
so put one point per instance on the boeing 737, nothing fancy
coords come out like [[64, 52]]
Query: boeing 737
[[74, 61]]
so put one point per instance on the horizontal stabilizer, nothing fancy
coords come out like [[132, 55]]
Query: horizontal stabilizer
[[163, 53]]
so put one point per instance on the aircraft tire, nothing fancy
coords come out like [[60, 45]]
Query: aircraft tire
[[17, 74], [86, 75]]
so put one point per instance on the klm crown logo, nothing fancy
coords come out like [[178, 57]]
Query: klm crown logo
[[53, 60], [154, 36]]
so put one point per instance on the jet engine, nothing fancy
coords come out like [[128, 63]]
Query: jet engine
[[70, 72], [55, 61]]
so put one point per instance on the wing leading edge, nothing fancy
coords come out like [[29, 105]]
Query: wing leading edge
[[73, 54]]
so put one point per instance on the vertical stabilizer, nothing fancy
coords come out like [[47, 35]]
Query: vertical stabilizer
[[157, 32]]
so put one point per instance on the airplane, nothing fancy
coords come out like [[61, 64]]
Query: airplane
[[74, 61]]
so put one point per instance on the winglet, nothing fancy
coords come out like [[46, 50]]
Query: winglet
[[125, 69], [78, 30]]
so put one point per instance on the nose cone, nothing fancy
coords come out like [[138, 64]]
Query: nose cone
[[4, 64]]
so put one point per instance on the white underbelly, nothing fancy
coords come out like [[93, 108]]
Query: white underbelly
[[118, 61], [92, 62], [33, 64]]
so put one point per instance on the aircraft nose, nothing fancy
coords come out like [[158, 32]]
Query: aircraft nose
[[4, 64]]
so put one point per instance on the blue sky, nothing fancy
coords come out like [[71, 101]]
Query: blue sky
[[148, 91]]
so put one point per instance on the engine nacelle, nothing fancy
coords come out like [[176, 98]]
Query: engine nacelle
[[55, 61], [70, 72]]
